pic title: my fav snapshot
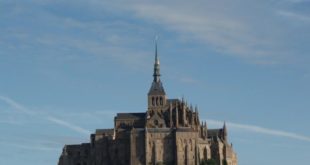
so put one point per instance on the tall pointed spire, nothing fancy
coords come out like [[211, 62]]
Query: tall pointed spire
[[156, 74], [156, 95], [156, 55]]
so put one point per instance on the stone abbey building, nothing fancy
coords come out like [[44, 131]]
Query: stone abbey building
[[169, 133]]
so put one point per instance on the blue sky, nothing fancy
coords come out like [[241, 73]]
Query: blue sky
[[67, 67]]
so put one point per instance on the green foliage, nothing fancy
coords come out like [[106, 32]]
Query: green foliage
[[225, 162], [211, 162], [208, 162], [203, 162]]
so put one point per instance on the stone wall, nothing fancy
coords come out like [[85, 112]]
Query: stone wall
[[160, 146]]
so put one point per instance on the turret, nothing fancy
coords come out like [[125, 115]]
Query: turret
[[224, 132]]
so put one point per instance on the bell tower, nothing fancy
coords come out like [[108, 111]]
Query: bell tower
[[156, 96]]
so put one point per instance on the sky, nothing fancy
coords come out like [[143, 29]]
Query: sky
[[67, 67]]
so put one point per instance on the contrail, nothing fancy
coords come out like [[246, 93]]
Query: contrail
[[245, 127], [260, 130], [16, 105], [54, 120], [69, 125]]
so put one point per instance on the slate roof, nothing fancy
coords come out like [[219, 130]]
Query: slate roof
[[130, 116], [157, 89], [173, 100], [104, 131], [214, 132]]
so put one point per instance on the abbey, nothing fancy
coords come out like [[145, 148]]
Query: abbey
[[169, 133]]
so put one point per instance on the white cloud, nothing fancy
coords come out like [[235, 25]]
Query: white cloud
[[294, 16], [188, 80], [249, 30], [16, 105], [231, 125], [31, 147], [253, 33], [245, 29], [298, 1], [10, 121], [68, 125], [97, 37], [260, 130], [54, 120]]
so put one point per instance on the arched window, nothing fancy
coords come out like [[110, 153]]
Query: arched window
[[153, 101], [161, 101], [205, 154], [157, 101]]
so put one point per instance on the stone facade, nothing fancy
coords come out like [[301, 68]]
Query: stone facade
[[169, 133]]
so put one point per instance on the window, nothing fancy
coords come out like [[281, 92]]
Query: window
[[157, 101]]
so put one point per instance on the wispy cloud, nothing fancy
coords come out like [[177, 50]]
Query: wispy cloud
[[250, 33], [224, 26], [188, 80], [30, 147], [294, 16], [260, 130], [16, 105], [68, 125], [52, 119], [10, 121], [100, 38]]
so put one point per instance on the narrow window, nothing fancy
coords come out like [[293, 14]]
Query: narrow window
[[153, 101], [157, 101]]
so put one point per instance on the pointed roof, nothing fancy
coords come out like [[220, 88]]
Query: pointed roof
[[224, 127], [157, 87], [156, 74], [224, 130]]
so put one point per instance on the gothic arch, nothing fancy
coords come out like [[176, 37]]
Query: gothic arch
[[153, 101]]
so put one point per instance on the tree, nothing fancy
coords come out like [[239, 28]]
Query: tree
[[211, 162], [203, 162], [208, 162]]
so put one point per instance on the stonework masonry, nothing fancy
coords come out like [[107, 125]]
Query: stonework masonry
[[169, 133]]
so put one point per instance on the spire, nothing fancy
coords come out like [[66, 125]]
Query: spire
[[225, 131], [156, 74], [156, 55], [157, 87]]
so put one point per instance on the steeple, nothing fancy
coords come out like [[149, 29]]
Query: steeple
[[156, 74], [156, 95]]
